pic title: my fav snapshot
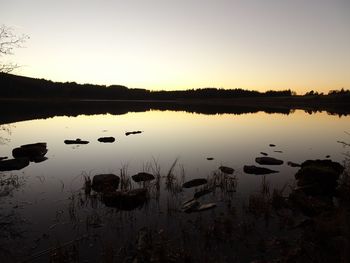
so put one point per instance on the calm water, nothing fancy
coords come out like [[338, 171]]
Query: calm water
[[47, 205]]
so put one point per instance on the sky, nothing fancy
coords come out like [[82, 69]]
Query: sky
[[262, 45]]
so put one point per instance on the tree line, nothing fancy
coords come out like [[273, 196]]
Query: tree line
[[13, 86]]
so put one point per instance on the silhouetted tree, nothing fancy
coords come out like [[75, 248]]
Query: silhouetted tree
[[8, 42], [311, 93]]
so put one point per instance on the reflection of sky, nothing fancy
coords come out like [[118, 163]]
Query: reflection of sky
[[233, 140]]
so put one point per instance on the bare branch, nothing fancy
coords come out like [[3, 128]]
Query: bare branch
[[8, 42], [7, 68]]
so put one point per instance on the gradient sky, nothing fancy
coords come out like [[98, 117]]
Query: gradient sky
[[180, 44]]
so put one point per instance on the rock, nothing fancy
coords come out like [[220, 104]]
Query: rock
[[335, 166], [328, 156], [252, 169], [268, 161], [35, 151], [126, 200], [195, 206], [263, 153], [106, 139], [195, 182], [291, 164], [322, 175], [317, 183], [190, 206], [132, 132], [3, 158], [278, 151], [105, 182], [202, 192], [205, 207], [210, 158], [38, 144], [76, 141], [226, 170], [141, 177], [13, 164], [272, 145]]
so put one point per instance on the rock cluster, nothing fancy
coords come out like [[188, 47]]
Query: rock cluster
[[23, 155], [107, 185], [317, 181]]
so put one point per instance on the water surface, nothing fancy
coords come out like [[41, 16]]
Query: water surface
[[43, 203]]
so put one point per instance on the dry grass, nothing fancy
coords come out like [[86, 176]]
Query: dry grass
[[125, 180], [173, 181], [205, 236]]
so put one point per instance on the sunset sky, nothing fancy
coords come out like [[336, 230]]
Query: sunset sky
[[181, 44]]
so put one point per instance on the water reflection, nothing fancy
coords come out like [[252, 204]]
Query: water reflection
[[14, 111], [175, 147]]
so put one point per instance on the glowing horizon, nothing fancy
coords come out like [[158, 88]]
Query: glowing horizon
[[177, 45]]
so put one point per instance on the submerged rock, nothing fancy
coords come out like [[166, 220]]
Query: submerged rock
[[105, 182], [190, 206], [210, 158], [126, 200], [205, 207], [226, 170], [263, 153], [132, 132], [272, 145], [278, 151], [142, 177], [252, 169], [106, 139], [34, 152], [195, 182], [76, 141], [268, 161], [13, 164], [195, 206]]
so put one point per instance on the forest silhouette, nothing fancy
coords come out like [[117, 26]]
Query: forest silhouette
[[24, 98], [13, 86]]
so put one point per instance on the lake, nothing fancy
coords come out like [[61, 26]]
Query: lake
[[48, 208]]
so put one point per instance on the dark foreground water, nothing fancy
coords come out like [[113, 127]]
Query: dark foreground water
[[47, 215]]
